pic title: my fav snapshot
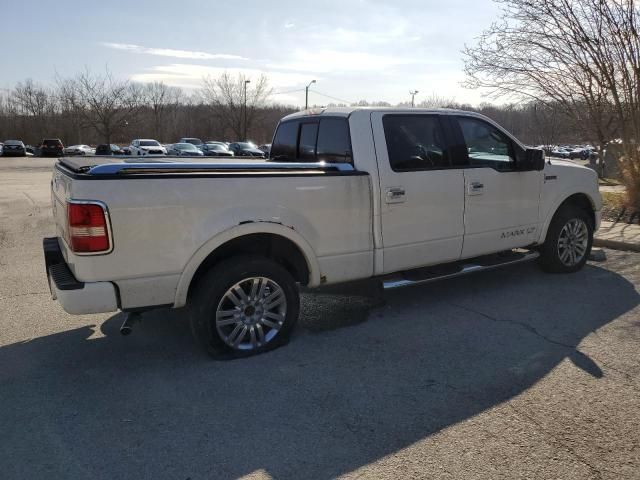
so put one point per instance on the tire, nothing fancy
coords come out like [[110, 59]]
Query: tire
[[568, 243], [228, 325]]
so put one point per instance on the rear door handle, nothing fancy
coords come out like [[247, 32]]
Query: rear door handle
[[475, 188], [395, 195]]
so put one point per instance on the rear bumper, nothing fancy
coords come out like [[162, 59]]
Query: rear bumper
[[75, 297]]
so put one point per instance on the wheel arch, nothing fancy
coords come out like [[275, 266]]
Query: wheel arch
[[579, 199], [273, 240]]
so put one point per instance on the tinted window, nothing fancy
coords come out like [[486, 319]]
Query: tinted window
[[149, 143], [415, 142], [307, 144], [487, 146], [285, 142], [333, 140]]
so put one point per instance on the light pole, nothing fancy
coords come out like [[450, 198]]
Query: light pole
[[245, 109], [413, 96], [306, 94]]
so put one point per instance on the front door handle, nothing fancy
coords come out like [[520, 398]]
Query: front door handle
[[475, 188], [395, 195]]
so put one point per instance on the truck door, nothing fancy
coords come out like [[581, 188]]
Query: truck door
[[421, 188], [501, 201]]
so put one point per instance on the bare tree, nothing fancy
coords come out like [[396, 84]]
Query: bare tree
[[103, 103], [160, 98], [581, 55], [29, 99], [226, 96]]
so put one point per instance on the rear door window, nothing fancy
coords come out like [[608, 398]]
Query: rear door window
[[415, 142]]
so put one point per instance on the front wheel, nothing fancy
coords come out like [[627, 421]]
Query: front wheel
[[569, 240], [244, 306]]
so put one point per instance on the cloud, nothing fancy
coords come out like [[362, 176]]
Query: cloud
[[289, 25], [168, 52], [325, 61], [190, 75]]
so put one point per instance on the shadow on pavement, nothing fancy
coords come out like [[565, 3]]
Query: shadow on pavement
[[335, 399]]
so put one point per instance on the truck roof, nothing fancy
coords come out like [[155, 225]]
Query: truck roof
[[347, 111]]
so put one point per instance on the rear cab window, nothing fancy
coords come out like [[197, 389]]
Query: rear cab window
[[311, 139]]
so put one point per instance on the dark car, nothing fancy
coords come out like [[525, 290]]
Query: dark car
[[112, 149], [216, 150], [51, 147], [13, 148], [246, 149], [184, 150]]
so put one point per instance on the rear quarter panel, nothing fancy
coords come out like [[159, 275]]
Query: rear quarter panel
[[160, 224]]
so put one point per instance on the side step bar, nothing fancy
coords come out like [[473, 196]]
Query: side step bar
[[456, 269]]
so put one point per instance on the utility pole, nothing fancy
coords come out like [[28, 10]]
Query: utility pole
[[245, 109], [306, 94], [413, 96]]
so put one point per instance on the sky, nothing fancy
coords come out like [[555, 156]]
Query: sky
[[354, 49]]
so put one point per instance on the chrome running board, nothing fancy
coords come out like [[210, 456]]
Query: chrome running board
[[456, 269]]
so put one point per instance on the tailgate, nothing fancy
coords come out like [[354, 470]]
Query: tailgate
[[60, 192]]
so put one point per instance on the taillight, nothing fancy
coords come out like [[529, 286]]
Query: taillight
[[88, 230]]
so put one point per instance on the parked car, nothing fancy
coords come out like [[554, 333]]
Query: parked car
[[109, 149], [1, 144], [193, 141], [51, 147], [13, 148], [215, 150], [79, 150], [245, 149], [146, 146], [266, 148], [560, 153], [184, 150]]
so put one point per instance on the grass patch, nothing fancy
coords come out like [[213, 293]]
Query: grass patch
[[608, 182], [614, 200]]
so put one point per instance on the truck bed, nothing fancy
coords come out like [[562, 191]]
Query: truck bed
[[119, 166]]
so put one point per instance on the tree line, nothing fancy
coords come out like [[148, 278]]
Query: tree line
[[95, 108]]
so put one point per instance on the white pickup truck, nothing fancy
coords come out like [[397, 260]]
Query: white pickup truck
[[404, 195]]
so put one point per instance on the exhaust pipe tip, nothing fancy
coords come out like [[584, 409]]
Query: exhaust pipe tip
[[127, 325], [126, 330]]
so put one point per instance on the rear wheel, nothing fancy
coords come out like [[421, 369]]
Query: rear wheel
[[244, 306], [569, 240]]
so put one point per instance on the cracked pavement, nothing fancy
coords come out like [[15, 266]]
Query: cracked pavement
[[507, 374]]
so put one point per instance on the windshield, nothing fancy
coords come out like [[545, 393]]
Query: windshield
[[216, 146], [12, 142], [193, 141], [246, 145], [149, 143]]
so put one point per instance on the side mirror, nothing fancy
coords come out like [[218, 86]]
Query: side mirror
[[532, 160]]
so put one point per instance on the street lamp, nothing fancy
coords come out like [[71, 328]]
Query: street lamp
[[306, 94], [413, 96], [245, 109]]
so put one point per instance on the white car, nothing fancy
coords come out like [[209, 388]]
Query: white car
[[147, 146], [79, 150], [347, 194]]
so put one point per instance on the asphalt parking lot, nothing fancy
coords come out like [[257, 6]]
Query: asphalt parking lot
[[506, 374]]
